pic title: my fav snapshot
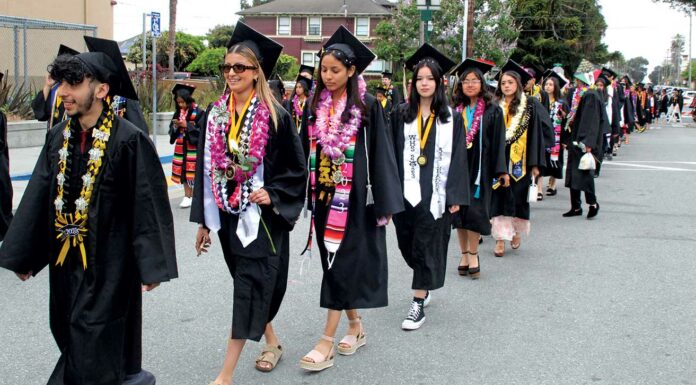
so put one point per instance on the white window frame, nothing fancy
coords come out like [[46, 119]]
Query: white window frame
[[357, 24], [309, 25], [315, 59], [289, 25], [377, 66]]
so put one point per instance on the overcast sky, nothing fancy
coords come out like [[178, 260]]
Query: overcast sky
[[635, 27]]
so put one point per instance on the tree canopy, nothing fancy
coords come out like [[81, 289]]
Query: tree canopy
[[219, 35], [684, 5], [186, 49], [637, 68]]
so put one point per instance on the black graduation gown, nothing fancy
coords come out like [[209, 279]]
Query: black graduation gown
[[192, 132], [555, 168], [96, 314], [260, 275], [629, 113], [617, 101], [394, 97], [358, 277], [5, 181], [512, 201], [588, 127], [43, 108], [422, 239], [291, 110], [131, 111], [477, 217]]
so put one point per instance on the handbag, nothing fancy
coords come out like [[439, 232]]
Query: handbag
[[532, 192], [587, 162]]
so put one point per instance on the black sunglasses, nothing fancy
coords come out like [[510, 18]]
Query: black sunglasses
[[237, 68]]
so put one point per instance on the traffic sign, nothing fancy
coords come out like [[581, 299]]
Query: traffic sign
[[155, 24]]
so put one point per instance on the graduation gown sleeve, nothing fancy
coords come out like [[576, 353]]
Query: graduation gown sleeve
[[384, 174], [457, 189], [153, 224], [197, 214], [288, 171], [538, 132], [587, 127], [5, 182], [134, 114], [41, 107], [543, 117], [21, 252], [497, 158]]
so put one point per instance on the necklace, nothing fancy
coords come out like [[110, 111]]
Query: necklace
[[72, 226], [423, 136]]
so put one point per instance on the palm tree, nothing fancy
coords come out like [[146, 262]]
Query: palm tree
[[172, 36]]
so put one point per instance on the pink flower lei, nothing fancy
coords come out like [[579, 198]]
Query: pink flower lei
[[245, 160], [296, 106], [476, 124], [334, 136]]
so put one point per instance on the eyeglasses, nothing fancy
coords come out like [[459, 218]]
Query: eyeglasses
[[237, 68], [471, 82]]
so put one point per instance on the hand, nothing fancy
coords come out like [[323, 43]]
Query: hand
[[181, 124], [535, 171], [24, 277], [48, 83], [505, 180], [453, 209], [150, 287], [203, 241], [260, 197]]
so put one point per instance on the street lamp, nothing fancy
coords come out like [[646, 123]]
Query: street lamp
[[426, 9]]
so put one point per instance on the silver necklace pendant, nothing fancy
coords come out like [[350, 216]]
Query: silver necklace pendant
[[337, 177]]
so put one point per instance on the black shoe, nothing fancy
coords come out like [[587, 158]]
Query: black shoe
[[551, 192], [540, 197], [608, 156], [463, 269], [573, 213], [475, 272], [415, 317], [592, 212]]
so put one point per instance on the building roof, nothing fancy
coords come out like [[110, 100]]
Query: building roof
[[323, 7]]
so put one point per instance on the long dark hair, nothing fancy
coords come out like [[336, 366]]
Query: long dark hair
[[439, 104], [556, 88], [517, 99], [458, 96], [352, 90], [185, 95], [305, 90]]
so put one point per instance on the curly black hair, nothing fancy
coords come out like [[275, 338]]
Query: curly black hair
[[70, 69]]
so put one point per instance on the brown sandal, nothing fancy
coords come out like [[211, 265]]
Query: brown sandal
[[499, 251], [270, 355], [516, 245]]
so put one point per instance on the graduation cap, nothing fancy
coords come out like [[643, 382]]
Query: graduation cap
[[609, 72], [356, 52], [536, 71], [599, 75], [381, 90], [65, 50], [628, 80], [483, 66], [266, 50], [512, 66], [308, 83], [110, 48], [583, 77], [307, 69], [427, 52], [387, 74], [183, 86], [553, 74], [102, 68]]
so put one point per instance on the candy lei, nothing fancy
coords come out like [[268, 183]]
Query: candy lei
[[241, 164], [519, 122], [472, 130], [72, 226], [333, 135], [579, 92]]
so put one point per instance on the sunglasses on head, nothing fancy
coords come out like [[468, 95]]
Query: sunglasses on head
[[236, 68]]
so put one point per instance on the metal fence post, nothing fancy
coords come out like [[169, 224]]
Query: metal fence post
[[24, 47], [16, 53]]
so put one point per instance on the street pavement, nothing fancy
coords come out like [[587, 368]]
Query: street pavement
[[607, 301]]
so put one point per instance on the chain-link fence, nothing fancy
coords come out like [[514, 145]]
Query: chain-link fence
[[29, 45]]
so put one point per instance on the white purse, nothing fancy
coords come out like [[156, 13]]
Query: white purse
[[587, 162], [532, 193]]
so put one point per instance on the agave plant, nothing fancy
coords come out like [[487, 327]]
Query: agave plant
[[15, 99]]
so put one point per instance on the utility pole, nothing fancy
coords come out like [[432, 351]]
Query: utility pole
[[690, 17], [465, 30]]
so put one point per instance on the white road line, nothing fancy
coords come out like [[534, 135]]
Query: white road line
[[645, 166]]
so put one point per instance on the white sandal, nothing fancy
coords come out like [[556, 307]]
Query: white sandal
[[319, 361], [354, 342]]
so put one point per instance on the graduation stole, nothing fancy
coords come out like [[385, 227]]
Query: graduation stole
[[337, 142], [557, 120], [384, 103], [71, 227], [184, 116], [536, 92], [516, 136], [577, 96], [55, 106]]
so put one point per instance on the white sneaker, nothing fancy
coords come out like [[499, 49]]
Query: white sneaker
[[426, 300], [185, 203]]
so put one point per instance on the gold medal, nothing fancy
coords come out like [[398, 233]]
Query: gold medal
[[422, 160], [469, 146], [230, 171]]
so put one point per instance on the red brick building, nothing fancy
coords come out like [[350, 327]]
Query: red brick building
[[302, 26]]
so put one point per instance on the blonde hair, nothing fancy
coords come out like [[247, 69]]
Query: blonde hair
[[263, 91]]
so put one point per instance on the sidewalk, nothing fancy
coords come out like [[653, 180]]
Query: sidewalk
[[22, 161]]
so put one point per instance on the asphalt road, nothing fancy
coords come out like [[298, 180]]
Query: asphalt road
[[608, 301]]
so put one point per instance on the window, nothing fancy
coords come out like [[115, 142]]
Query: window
[[283, 25], [377, 66], [314, 26], [309, 58], [362, 26]]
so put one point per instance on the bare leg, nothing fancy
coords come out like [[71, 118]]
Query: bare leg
[[234, 350], [473, 249], [354, 328], [324, 347], [464, 244], [420, 293], [188, 191], [552, 183]]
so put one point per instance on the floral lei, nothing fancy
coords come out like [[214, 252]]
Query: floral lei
[[519, 122], [72, 227], [476, 125], [239, 164], [333, 135], [296, 107], [579, 92]]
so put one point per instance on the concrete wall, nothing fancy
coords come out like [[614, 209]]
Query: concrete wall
[[27, 133], [92, 12]]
